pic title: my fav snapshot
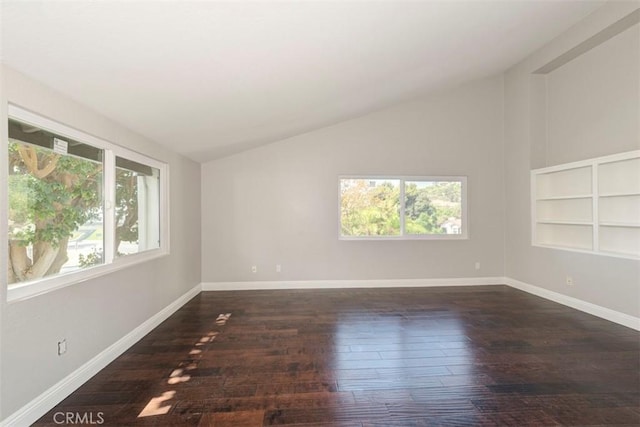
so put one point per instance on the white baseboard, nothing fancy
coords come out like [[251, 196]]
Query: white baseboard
[[333, 284], [587, 307], [596, 310], [39, 406]]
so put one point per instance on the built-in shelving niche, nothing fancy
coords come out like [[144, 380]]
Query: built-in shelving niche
[[589, 206]]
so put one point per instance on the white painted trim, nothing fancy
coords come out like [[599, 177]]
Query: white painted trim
[[109, 207], [333, 284], [26, 116], [587, 307], [587, 251], [39, 406], [589, 162]]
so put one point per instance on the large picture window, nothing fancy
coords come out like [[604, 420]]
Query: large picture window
[[76, 204], [403, 208]]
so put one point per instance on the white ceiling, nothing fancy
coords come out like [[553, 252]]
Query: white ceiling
[[208, 79]]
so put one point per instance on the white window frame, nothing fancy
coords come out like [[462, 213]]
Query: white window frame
[[21, 291], [403, 236]]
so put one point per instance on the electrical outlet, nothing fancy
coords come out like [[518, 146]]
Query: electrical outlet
[[278, 268], [478, 265], [254, 268], [569, 281], [62, 347]]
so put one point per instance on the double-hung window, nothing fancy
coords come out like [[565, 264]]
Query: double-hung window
[[78, 206], [375, 207]]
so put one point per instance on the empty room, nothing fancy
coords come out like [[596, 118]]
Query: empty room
[[320, 213]]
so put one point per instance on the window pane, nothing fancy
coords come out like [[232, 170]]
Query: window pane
[[433, 207], [137, 207], [370, 207], [55, 205]]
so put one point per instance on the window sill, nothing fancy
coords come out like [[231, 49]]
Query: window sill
[[23, 291]]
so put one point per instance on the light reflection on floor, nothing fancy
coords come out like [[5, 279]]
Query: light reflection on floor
[[178, 375]]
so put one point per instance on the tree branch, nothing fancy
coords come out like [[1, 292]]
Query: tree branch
[[29, 157], [43, 261], [18, 260], [61, 258]]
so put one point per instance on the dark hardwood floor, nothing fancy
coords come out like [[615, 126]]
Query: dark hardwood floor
[[474, 356]]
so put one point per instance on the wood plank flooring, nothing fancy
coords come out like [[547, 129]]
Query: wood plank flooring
[[469, 356]]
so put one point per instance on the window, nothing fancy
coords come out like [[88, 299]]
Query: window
[[77, 205], [55, 203], [403, 208], [137, 207]]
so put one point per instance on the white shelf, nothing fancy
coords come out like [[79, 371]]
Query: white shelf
[[587, 251], [619, 210], [565, 210], [568, 235], [589, 206], [580, 196], [548, 221], [620, 224], [620, 240], [602, 196], [620, 176], [619, 254], [564, 183]]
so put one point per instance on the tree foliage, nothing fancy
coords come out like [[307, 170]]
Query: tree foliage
[[50, 197], [126, 211], [126, 206], [372, 208]]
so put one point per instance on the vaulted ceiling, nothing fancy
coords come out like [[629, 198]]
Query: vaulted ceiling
[[209, 79]]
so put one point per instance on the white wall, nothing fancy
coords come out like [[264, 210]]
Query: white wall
[[593, 110], [94, 314], [279, 204], [593, 102], [3, 254]]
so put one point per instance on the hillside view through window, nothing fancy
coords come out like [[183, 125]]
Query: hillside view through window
[[377, 207]]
